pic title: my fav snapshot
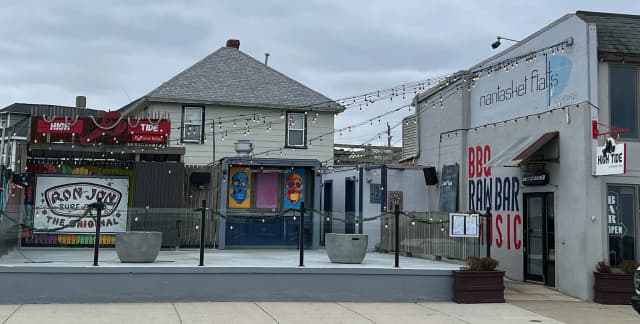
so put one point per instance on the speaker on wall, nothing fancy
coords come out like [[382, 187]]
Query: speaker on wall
[[430, 176], [200, 178]]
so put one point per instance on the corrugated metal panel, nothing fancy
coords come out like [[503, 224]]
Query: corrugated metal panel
[[409, 137]]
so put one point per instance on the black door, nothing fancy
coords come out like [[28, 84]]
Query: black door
[[350, 206], [539, 238]]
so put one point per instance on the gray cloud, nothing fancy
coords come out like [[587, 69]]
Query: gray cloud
[[117, 50]]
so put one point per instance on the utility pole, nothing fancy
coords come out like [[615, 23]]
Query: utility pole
[[388, 135]]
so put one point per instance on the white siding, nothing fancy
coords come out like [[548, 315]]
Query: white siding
[[202, 154]]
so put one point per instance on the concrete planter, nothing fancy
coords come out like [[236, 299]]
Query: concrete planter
[[138, 247], [346, 248]]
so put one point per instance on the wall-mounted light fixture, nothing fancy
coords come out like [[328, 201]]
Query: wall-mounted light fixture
[[497, 43]]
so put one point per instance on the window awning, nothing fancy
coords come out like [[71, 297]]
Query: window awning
[[521, 150]]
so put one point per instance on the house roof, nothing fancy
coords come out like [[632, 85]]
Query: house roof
[[61, 111], [21, 128], [231, 77], [617, 33]]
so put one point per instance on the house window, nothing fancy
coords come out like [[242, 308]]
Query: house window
[[623, 86], [192, 124], [296, 129]]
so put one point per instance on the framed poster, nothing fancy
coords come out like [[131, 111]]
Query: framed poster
[[239, 187], [60, 203], [463, 225], [294, 188], [394, 198]]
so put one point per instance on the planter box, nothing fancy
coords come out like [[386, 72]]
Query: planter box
[[470, 287], [612, 288], [346, 248], [138, 247]]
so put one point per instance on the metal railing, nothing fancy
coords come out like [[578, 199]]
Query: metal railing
[[426, 235]]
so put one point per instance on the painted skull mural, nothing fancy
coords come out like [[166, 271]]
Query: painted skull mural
[[294, 188], [240, 188]]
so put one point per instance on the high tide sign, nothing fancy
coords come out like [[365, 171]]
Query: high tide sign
[[611, 160]]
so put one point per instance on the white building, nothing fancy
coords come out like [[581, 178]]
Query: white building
[[523, 127]]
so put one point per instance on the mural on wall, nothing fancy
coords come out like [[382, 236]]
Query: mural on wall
[[294, 191], [61, 202], [542, 85], [239, 187], [499, 193], [542, 81]]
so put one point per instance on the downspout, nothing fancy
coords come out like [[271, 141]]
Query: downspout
[[417, 106]]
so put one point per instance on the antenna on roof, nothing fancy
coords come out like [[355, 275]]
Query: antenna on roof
[[266, 58]]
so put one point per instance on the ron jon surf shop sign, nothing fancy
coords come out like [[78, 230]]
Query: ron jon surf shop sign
[[61, 203]]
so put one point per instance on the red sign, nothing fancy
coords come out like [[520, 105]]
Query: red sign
[[60, 126], [146, 127]]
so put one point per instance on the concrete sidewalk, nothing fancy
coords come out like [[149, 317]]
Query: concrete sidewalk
[[309, 313], [235, 312]]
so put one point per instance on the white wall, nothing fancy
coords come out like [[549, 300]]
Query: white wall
[[201, 154], [409, 180], [338, 178], [442, 135], [447, 134], [370, 210], [550, 80]]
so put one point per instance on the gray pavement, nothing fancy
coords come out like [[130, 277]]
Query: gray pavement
[[310, 313], [83, 258], [526, 303], [233, 312]]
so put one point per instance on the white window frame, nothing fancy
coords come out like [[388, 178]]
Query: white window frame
[[186, 124], [303, 129]]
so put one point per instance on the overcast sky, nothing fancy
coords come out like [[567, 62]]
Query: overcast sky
[[116, 51]]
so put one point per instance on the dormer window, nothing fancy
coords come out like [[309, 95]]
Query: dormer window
[[193, 124]]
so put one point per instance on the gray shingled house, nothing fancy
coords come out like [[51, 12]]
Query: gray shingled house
[[228, 96]]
